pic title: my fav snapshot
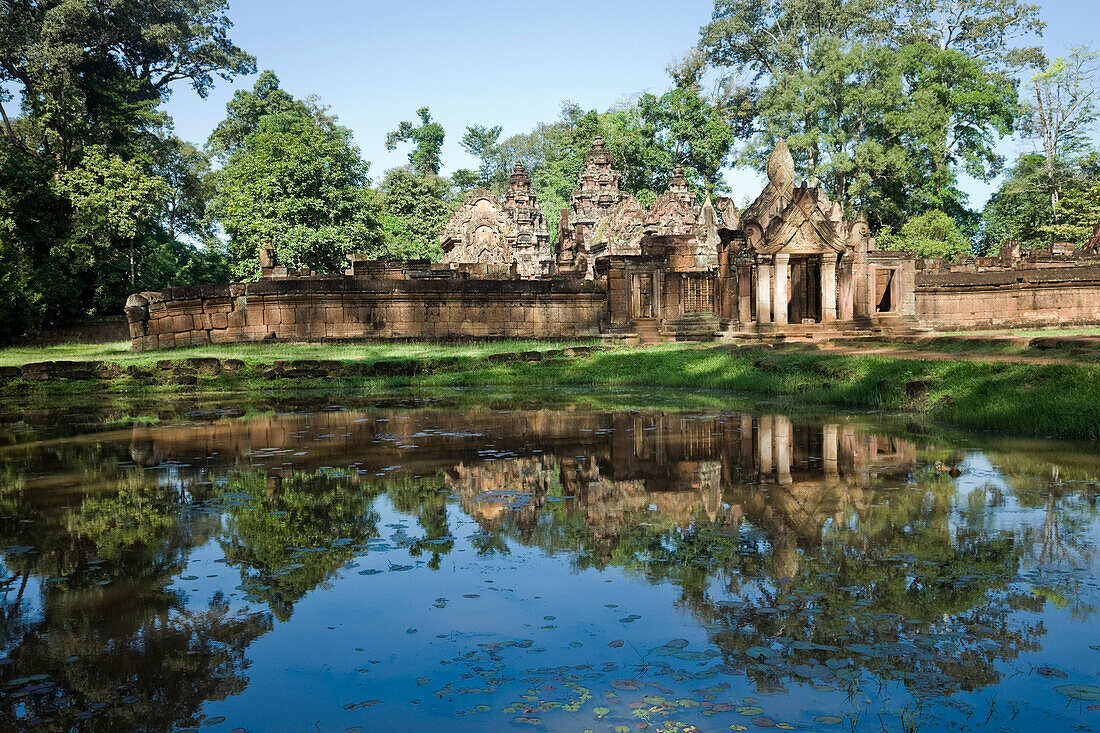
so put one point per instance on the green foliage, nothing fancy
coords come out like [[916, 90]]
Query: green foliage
[[427, 140], [479, 142], [113, 203], [1059, 116], [931, 234], [185, 171], [244, 111], [1019, 211], [1078, 212], [686, 127], [416, 208], [89, 78], [884, 106], [300, 186]]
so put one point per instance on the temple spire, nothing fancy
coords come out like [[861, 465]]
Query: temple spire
[[781, 165]]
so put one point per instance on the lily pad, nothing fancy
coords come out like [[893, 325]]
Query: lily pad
[[1080, 692]]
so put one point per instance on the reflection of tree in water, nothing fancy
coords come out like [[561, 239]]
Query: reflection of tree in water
[[106, 645], [290, 534], [822, 575], [426, 499]]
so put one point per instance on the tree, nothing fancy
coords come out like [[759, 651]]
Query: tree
[[884, 106], [415, 210], [691, 129], [300, 187], [80, 65], [1019, 211], [113, 202], [479, 142], [185, 171], [981, 29], [427, 140], [244, 111], [931, 234], [1078, 210], [1059, 113], [88, 79]]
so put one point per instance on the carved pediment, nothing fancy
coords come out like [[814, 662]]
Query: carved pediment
[[622, 228], [479, 232], [800, 230]]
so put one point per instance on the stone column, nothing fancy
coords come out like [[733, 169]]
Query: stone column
[[829, 439], [763, 293], [828, 288], [783, 449], [765, 445], [744, 294], [779, 311]]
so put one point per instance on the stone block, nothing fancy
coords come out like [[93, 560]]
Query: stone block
[[204, 365]]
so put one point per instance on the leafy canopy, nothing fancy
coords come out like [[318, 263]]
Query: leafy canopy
[[301, 187], [427, 140], [931, 234]]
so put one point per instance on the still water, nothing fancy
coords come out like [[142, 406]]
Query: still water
[[400, 566]]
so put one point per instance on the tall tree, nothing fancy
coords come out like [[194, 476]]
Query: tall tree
[[185, 171], [415, 210], [427, 141], [1079, 204], [982, 29], [244, 111], [87, 79], [113, 202], [885, 104], [694, 130], [1019, 210], [479, 141], [80, 64], [1061, 108], [301, 187]]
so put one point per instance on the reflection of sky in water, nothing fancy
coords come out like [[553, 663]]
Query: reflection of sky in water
[[555, 571]]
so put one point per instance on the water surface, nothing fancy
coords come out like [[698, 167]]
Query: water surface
[[397, 566]]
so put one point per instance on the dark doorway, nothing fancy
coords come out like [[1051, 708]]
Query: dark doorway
[[805, 289], [884, 291], [642, 296]]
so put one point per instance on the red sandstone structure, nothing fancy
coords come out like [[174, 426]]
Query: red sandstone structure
[[789, 265]]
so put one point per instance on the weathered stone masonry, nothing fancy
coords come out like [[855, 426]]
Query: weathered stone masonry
[[334, 308], [1056, 296]]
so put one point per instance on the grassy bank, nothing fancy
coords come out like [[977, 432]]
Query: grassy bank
[[1058, 400]]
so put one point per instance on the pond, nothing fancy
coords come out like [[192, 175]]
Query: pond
[[404, 565]]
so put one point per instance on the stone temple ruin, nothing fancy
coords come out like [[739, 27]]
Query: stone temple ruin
[[791, 265]]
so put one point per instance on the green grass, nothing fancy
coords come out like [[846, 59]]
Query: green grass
[[1057, 400], [1029, 333], [120, 352]]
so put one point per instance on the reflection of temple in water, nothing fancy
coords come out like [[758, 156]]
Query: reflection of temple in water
[[785, 478], [789, 479]]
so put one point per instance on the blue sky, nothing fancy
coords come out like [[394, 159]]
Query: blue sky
[[506, 62]]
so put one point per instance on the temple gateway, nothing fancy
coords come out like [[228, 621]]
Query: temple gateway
[[789, 266]]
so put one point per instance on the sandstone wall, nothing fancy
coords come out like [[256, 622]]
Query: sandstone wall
[[1007, 298], [97, 331], [334, 308]]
